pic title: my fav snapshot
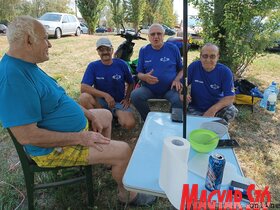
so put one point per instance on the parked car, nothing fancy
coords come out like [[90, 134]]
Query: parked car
[[169, 31], [275, 48], [59, 24], [84, 28], [101, 30], [3, 29]]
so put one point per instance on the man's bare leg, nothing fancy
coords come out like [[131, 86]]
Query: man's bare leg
[[126, 119], [104, 117], [117, 154]]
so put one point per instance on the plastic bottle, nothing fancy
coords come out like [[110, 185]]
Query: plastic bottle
[[271, 101], [266, 93]]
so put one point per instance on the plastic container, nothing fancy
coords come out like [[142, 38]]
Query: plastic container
[[272, 87], [271, 101], [199, 140]]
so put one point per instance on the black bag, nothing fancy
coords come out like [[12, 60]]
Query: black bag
[[243, 86]]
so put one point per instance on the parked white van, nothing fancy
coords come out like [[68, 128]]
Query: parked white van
[[59, 24]]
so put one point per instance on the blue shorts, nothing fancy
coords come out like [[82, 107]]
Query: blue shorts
[[118, 106]]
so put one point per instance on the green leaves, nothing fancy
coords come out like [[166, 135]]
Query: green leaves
[[242, 29]]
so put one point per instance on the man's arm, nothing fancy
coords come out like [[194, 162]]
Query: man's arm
[[126, 101], [31, 134], [93, 91], [148, 77], [96, 126], [97, 93], [226, 101], [177, 81]]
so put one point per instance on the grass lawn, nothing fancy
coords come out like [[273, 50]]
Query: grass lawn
[[258, 133]]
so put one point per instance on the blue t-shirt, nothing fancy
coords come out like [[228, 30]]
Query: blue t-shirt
[[166, 63], [109, 78], [207, 88], [28, 95]]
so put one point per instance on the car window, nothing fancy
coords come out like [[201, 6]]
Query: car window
[[65, 19], [51, 17], [71, 18]]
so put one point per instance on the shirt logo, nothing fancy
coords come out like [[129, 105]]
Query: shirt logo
[[198, 81], [117, 76], [164, 59], [148, 61], [215, 86], [99, 77]]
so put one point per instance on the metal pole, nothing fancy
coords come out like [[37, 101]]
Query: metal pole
[[185, 61]]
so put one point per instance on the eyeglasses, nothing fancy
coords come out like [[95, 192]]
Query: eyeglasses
[[104, 49], [206, 56], [156, 33]]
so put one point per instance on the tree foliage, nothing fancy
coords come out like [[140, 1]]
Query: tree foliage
[[134, 11], [117, 12], [11, 8], [242, 29], [166, 15], [151, 11], [90, 11]]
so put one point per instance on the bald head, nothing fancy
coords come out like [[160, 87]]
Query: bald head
[[212, 46], [209, 56]]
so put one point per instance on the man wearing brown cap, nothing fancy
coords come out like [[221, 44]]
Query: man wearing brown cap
[[103, 85]]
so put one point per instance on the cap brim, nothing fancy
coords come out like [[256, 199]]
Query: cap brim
[[104, 45]]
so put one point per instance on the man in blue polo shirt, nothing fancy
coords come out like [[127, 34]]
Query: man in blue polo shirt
[[160, 70], [103, 85], [212, 87]]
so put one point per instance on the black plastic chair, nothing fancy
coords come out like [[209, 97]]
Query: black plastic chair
[[30, 168]]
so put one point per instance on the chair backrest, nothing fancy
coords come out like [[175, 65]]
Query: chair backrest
[[24, 158]]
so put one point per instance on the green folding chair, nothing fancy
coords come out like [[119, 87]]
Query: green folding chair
[[30, 168]]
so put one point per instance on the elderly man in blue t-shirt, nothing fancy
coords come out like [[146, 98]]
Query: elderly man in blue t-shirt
[[50, 125], [103, 85], [160, 70], [212, 87]]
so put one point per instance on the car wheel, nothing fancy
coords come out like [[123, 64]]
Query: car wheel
[[78, 32], [57, 34]]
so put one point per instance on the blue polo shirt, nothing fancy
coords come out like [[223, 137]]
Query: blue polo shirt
[[207, 88], [109, 78], [166, 63]]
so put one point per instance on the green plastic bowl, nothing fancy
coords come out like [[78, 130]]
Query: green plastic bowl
[[199, 140]]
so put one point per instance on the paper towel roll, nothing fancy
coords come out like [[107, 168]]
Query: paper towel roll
[[174, 168]]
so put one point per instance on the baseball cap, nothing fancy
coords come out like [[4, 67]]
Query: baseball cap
[[103, 42]]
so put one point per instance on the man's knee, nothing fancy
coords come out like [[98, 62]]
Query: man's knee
[[124, 151], [228, 113], [86, 100], [128, 124], [102, 114], [134, 95]]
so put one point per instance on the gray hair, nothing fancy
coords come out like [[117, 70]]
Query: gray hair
[[19, 27], [156, 25]]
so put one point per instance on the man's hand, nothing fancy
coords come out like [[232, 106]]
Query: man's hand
[[110, 101], [209, 113], [150, 79], [177, 85], [95, 125], [94, 139], [189, 98], [126, 103]]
